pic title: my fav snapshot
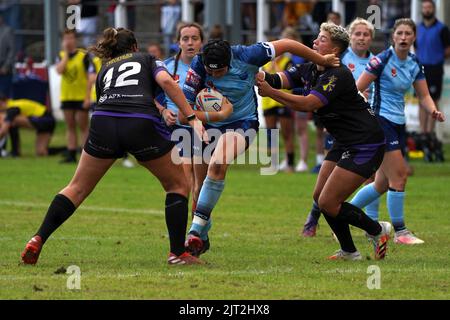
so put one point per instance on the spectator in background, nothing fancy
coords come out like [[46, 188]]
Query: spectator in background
[[275, 112], [216, 32], [88, 21], [28, 114], [299, 117], [277, 10], [155, 50], [74, 66], [299, 14], [432, 48], [170, 16], [334, 17], [7, 54]]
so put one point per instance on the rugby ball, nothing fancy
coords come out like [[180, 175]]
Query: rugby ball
[[208, 100]]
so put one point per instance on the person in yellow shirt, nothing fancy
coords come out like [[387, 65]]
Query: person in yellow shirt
[[74, 66], [274, 111], [28, 114]]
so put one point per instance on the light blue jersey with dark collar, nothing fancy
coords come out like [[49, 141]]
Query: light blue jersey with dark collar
[[394, 78], [180, 78], [237, 85], [356, 65]]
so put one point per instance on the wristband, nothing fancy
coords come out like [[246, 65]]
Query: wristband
[[207, 116], [191, 117], [273, 80]]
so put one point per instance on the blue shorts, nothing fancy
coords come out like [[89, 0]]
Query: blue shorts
[[188, 144], [395, 134], [183, 139], [240, 126]]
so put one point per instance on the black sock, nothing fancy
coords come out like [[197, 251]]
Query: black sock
[[290, 159], [55, 150], [15, 141], [59, 211], [356, 217], [72, 154], [315, 211], [176, 220], [342, 232]]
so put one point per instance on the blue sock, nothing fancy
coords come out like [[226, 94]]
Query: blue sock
[[204, 232], [207, 200], [365, 196], [395, 201], [372, 209]]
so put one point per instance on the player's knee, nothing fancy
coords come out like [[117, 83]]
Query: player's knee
[[328, 206], [217, 171]]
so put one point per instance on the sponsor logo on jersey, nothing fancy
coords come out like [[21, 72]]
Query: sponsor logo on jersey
[[374, 63], [193, 78], [345, 155], [394, 72], [102, 98], [351, 66], [330, 85]]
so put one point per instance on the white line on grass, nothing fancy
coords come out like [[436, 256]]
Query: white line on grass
[[87, 208]]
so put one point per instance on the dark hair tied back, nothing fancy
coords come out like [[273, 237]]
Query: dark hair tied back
[[115, 42]]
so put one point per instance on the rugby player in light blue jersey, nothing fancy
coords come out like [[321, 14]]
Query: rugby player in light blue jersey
[[355, 58], [393, 72], [231, 70], [190, 38]]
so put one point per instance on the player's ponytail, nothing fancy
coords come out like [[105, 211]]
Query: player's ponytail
[[115, 42]]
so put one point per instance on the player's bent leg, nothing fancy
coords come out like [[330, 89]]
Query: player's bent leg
[[89, 171]]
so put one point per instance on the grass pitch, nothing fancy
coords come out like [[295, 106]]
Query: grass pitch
[[118, 239]]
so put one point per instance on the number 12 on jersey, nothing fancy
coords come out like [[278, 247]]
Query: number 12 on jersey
[[124, 73]]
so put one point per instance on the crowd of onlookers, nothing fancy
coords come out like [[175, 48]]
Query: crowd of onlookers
[[289, 19]]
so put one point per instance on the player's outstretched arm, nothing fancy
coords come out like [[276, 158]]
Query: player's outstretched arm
[[299, 49]]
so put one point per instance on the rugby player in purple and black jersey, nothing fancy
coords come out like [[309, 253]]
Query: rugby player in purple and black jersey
[[360, 142], [126, 119]]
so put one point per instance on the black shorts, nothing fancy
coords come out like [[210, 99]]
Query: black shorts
[[43, 124], [363, 159], [111, 137], [73, 105], [284, 112], [317, 122], [434, 75]]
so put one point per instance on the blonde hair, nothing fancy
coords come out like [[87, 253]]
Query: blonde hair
[[338, 34], [290, 33], [358, 21]]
